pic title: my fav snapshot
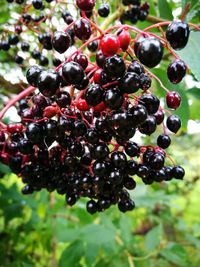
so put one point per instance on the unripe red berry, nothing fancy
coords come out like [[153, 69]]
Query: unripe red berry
[[82, 105], [124, 40], [97, 76], [109, 44]]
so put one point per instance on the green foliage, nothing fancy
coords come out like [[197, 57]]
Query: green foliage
[[39, 231]]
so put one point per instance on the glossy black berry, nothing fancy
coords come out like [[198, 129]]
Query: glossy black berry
[[25, 46], [173, 123], [118, 160], [113, 98], [13, 39], [178, 172], [94, 95], [61, 41], [100, 59], [149, 51], [82, 60], [156, 161], [43, 60], [104, 10], [177, 34], [135, 67], [148, 126], [100, 168], [48, 82], [114, 66], [176, 71], [19, 59], [34, 132], [91, 206], [72, 72], [163, 141], [130, 83], [33, 74], [37, 4], [93, 46], [151, 103], [132, 149], [145, 81]]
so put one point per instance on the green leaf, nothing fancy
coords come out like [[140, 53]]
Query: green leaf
[[191, 54], [99, 234], [165, 10], [153, 238], [125, 227], [91, 253], [175, 254], [72, 255], [194, 92]]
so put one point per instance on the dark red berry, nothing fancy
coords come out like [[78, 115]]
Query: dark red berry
[[86, 5], [173, 100], [82, 29]]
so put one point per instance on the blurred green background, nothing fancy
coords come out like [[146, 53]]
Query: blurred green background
[[163, 230]]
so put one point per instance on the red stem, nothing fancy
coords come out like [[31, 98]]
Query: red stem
[[185, 11], [21, 95]]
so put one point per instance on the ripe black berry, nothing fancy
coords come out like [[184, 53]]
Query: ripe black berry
[[173, 123], [114, 66], [33, 74], [130, 83], [48, 82], [163, 141], [104, 10], [177, 34], [178, 172], [94, 95], [72, 72], [61, 41], [176, 71], [113, 98], [149, 51]]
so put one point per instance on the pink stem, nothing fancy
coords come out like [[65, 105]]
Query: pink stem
[[21, 95]]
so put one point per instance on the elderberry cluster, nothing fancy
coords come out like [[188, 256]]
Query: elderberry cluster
[[78, 121], [136, 11]]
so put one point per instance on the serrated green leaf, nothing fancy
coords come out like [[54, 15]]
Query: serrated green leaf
[[175, 254], [191, 54], [72, 255], [98, 234], [153, 238]]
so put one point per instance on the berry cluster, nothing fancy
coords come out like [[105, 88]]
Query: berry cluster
[[136, 11], [78, 121]]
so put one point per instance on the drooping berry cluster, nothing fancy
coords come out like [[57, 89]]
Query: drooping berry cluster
[[136, 11], [78, 121]]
